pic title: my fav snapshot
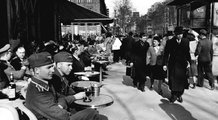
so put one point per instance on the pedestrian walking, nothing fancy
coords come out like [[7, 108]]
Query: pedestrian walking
[[204, 52], [140, 48], [156, 64], [177, 58]]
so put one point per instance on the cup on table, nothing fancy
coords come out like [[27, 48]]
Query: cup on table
[[96, 90]]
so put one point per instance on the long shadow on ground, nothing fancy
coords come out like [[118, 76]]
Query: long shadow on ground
[[127, 80], [176, 111]]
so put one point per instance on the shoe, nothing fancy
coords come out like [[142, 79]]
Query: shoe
[[212, 87], [135, 85], [179, 99], [151, 87], [199, 85], [172, 99], [143, 90]]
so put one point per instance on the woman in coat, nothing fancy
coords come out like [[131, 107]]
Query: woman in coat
[[156, 64], [177, 58]]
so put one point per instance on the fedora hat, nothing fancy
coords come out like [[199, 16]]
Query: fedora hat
[[203, 32], [178, 30]]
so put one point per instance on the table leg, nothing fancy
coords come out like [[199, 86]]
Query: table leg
[[100, 77]]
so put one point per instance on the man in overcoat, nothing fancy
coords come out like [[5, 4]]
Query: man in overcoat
[[177, 58], [139, 53]]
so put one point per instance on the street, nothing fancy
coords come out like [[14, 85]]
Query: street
[[132, 104]]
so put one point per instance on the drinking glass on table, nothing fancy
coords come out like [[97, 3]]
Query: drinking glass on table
[[88, 93]]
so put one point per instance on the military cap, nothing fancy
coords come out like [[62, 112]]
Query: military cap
[[40, 59], [4, 48], [63, 57]]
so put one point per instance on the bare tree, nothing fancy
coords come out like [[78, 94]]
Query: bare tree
[[123, 14]]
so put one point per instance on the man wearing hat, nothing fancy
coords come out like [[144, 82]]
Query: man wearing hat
[[44, 101], [5, 67], [204, 53], [139, 50], [63, 66], [177, 57]]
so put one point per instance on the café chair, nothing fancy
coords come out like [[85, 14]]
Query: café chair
[[25, 112], [8, 112]]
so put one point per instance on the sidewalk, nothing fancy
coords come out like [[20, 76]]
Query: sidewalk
[[132, 104]]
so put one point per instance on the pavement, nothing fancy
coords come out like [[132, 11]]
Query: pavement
[[131, 104]]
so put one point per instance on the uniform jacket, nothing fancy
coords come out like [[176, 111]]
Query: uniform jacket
[[44, 102], [204, 50], [61, 84], [5, 70]]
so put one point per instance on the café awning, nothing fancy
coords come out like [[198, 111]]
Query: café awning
[[179, 2], [71, 12], [182, 2]]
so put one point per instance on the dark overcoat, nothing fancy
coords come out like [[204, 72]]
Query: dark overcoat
[[177, 56], [140, 49]]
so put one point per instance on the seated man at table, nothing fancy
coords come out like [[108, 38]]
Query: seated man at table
[[17, 61], [44, 101], [78, 64], [5, 67], [63, 66]]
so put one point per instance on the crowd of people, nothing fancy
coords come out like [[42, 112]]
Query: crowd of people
[[183, 57], [179, 56]]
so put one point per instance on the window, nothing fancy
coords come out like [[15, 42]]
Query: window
[[89, 1]]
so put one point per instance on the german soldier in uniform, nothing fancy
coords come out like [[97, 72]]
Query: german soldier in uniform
[[44, 101], [63, 66]]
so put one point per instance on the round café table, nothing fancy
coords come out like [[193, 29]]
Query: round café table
[[79, 86], [100, 101], [87, 73], [84, 84]]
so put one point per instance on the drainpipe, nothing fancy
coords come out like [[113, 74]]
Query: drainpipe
[[9, 18]]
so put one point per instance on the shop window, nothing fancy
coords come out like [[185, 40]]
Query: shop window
[[89, 1]]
